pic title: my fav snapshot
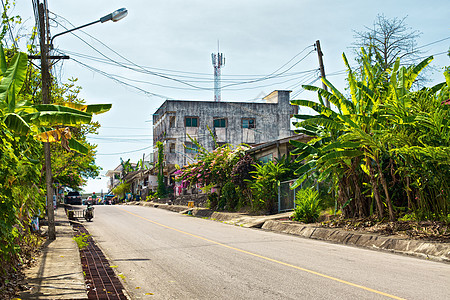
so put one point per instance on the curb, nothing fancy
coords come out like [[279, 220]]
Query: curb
[[423, 249], [427, 250]]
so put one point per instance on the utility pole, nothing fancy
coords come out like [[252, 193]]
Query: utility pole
[[45, 78], [322, 70]]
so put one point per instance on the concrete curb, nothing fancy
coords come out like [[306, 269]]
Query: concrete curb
[[427, 250], [423, 249]]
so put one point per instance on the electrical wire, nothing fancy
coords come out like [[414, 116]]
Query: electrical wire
[[126, 152], [435, 42], [133, 128], [270, 76], [194, 78], [119, 81], [306, 73], [126, 67]]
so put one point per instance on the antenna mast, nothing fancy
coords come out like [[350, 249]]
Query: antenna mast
[[218, 60]]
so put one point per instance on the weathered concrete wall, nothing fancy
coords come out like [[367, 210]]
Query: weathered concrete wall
[[272, 122]]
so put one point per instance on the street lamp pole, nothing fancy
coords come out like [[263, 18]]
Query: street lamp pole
[[46, 80], [45, 77]]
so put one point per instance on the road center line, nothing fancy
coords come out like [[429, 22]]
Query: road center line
[[267, 258]]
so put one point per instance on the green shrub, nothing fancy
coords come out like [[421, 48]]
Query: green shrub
[[264, 185], [308, 206], [230, 196], [213, 200]]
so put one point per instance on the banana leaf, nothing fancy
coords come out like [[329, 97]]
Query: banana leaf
[[59, 108], [16, 124], [3, 64], [341, 145], [56, 118], [91, 109], [339, 155], [78, 147], [14, 75], [54, 135]]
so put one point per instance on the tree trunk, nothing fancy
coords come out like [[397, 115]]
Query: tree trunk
[[376, 192], [386, 192], [408, 193], [358, 195]]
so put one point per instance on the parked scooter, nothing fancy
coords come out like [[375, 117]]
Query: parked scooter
[[89, 212]]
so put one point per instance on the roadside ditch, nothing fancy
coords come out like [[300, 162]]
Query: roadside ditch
[[100, 278]]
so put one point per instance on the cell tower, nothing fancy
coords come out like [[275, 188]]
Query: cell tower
[[218, 60]]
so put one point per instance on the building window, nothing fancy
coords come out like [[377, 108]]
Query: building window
[[220, 123], [191, 121], [266, 158], [190, 147], [248, 123], [172, 148], [172, 122]]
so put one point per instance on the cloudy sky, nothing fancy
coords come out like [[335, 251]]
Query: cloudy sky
[[162, 50]]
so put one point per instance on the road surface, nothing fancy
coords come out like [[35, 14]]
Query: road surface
[[165, 255]]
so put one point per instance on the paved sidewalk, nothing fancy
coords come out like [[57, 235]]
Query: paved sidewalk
[[58, 273]]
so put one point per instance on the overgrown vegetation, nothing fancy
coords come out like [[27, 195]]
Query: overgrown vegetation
[[24, 124], [161, 190], [121, 190], [82, 240], [308, 205], [386, 149]]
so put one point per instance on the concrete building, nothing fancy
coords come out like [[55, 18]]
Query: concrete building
[[230, 122]]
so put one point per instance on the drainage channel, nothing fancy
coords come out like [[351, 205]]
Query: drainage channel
[[101, 281]]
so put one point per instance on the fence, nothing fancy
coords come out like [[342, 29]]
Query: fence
[[286, 196]]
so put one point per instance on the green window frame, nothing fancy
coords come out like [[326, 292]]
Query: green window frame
[[220, 123], [248, 123], [191, 121]]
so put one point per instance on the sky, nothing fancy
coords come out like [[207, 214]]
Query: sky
[[162, 50]]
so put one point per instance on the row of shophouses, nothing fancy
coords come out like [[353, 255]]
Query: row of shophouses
[[266, 127]]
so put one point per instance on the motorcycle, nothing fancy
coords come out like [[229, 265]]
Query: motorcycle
[[89, 212]]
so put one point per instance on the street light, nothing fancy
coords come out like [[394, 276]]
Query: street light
[[114, 16], [43, 27]]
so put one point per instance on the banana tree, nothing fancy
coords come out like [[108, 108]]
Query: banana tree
[[22, 117]]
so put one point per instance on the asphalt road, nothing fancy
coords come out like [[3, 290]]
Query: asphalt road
[[165, 255]]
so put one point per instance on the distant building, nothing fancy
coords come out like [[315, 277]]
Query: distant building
[[142, 181], [234, 123]]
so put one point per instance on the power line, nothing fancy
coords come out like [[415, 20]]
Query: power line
[[195, 79], [125, 66], [270, 76], [111, 127], [121, 136], [108, 75], [435, 42], [127, 152]]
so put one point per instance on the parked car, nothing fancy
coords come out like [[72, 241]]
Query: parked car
[[73, 198]]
